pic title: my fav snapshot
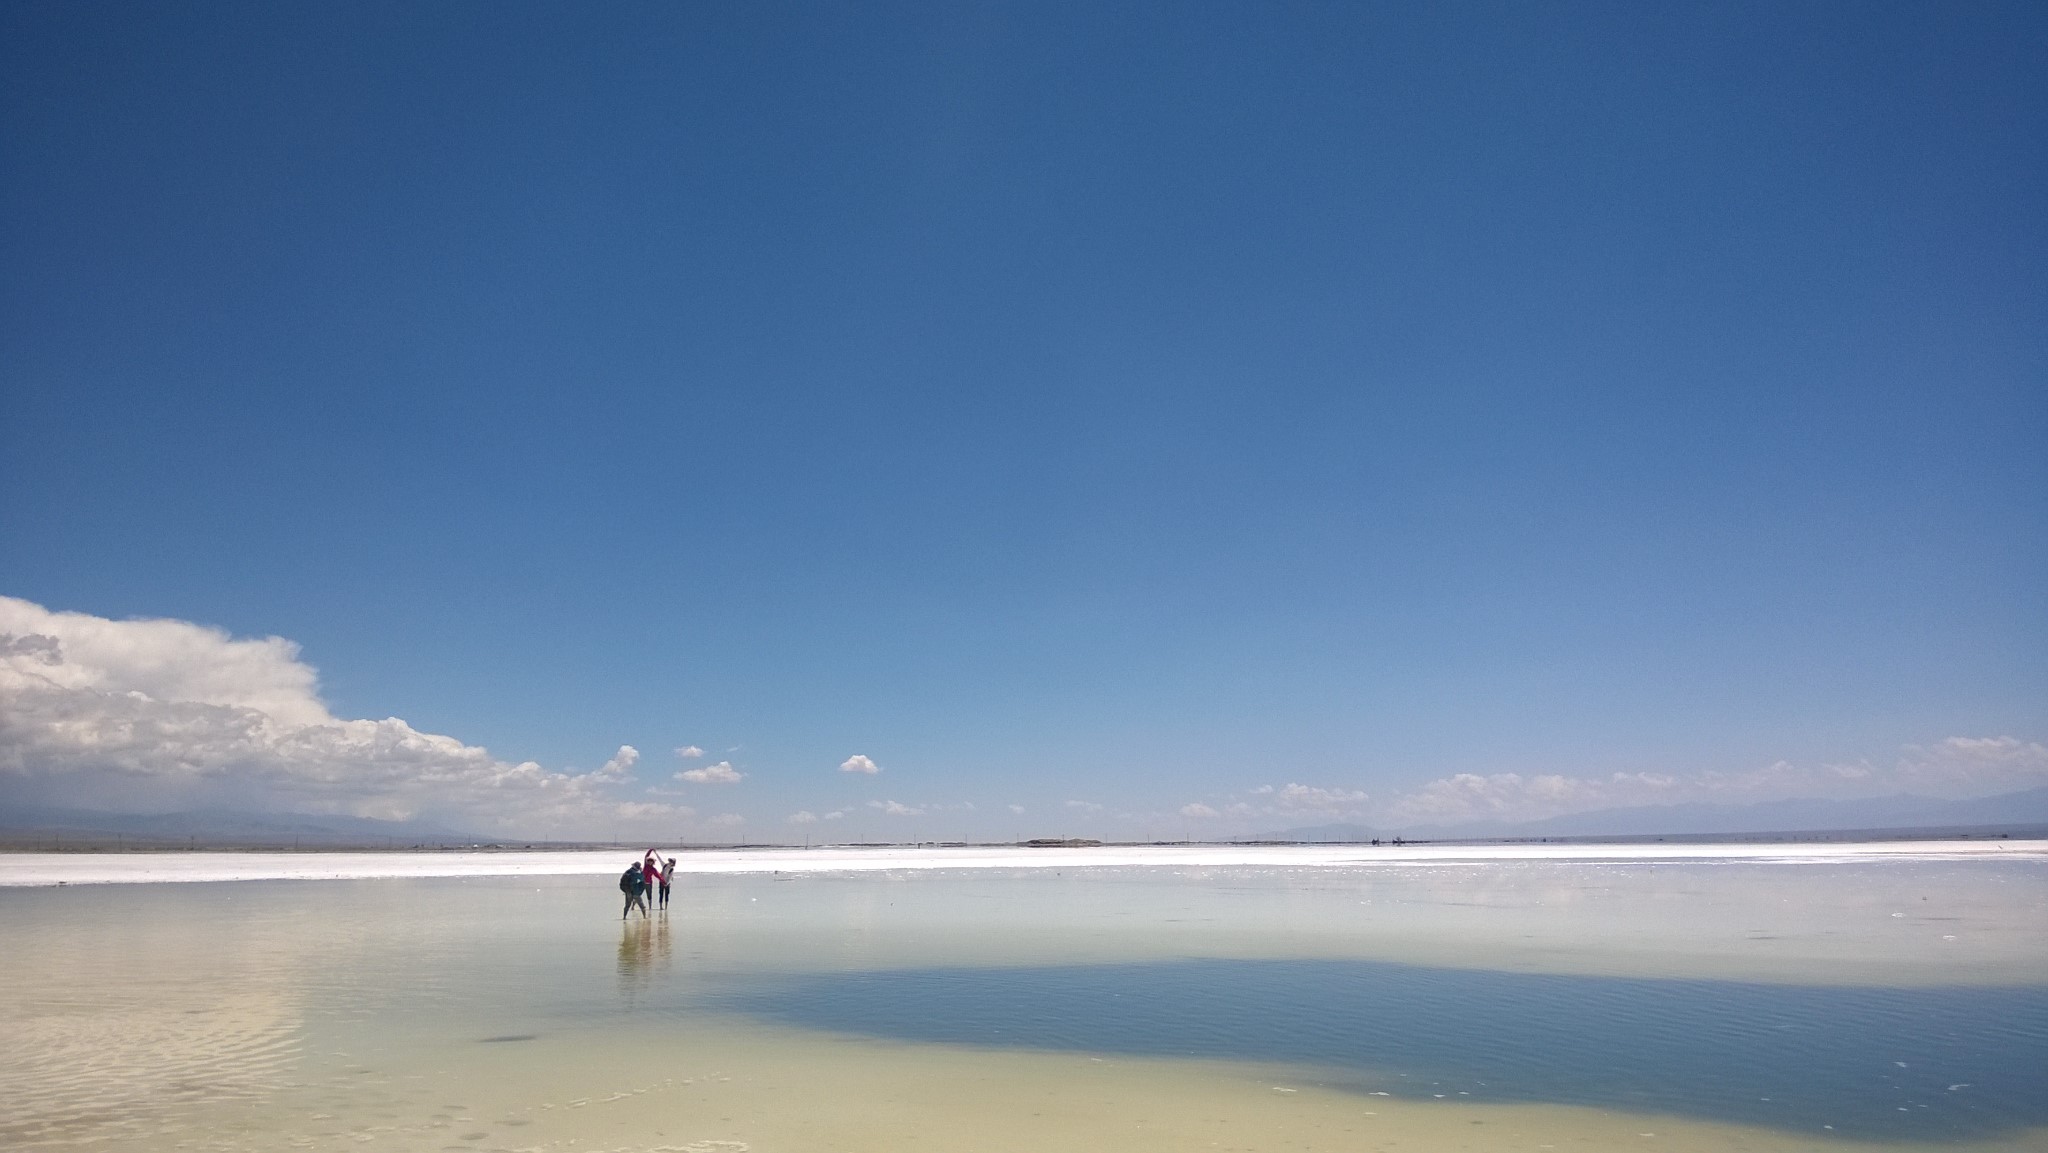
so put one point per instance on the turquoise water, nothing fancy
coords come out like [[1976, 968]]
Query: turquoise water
[[1903, 1004]]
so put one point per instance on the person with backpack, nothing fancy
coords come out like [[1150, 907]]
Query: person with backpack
[[634, 885]]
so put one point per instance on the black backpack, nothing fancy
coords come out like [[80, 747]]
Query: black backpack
[[629, 881]]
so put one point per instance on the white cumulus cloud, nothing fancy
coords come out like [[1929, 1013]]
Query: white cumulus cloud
[[162, 714], [896, 809], [689, 752], [860, 763], [721, 773], [620, 766]]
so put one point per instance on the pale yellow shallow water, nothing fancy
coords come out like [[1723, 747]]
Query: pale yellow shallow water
[[368, 1015]]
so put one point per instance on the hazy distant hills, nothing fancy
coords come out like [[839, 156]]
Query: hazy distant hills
[[1901, 811], [19, 823]]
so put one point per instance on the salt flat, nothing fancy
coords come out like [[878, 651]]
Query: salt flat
[[1270, 999], [18, 869]]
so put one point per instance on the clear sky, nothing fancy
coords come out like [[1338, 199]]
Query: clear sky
[[1061, 405]]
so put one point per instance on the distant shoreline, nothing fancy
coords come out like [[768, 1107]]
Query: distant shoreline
[[67, 841]]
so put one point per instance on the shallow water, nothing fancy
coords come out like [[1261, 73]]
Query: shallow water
[[1579, 1004]]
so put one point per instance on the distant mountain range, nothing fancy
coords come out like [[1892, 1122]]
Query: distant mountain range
[[2026, 810], [24, 824]]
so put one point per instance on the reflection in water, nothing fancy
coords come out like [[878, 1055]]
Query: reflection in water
[[644, 951], [1872, 1062]]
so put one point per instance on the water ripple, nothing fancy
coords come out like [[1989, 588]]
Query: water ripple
[[76, 1073]]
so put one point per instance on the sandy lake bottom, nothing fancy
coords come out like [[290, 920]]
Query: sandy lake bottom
[[1532, 1004]]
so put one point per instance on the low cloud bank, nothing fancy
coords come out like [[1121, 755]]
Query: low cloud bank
[[1952, 769]]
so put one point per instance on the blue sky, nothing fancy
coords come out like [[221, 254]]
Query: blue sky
[[1130, 405]]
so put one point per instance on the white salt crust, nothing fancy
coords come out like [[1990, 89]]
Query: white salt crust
[[37, 869]]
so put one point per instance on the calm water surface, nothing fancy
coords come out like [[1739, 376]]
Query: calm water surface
[[1509, 1005]]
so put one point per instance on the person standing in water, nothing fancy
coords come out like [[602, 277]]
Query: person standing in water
[[633, 883], [668, 872]]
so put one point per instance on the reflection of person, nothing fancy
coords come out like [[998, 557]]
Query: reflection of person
[[668, 872], [636, 950], [644, 950], [633, 883]]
